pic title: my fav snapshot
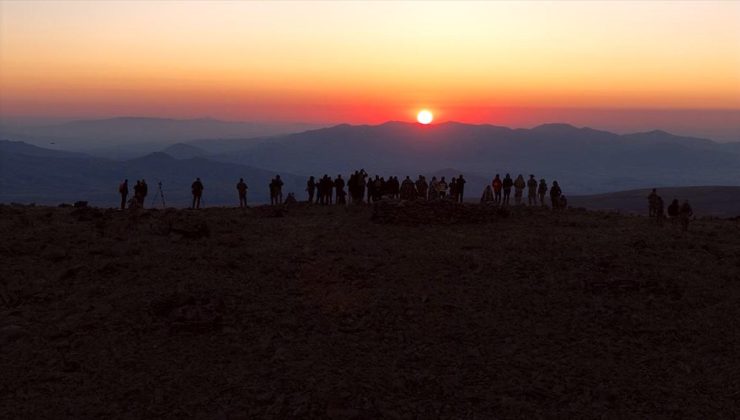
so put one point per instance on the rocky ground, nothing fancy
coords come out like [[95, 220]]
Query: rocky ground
[[413, 311]]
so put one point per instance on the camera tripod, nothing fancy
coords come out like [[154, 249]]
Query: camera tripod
[[159, 193]]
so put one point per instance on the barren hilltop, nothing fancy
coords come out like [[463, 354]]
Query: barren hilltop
[[427, 310]]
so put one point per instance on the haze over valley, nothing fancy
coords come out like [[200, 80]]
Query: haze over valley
[[584, 160]]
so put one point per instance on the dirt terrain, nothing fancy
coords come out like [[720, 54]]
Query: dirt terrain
[[409, 311]]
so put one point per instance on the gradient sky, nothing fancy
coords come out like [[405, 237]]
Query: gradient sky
[[507, 63]]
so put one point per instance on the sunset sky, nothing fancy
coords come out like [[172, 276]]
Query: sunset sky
[[609, 64]]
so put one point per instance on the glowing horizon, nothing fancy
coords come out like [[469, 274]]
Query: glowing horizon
[[365, 62]]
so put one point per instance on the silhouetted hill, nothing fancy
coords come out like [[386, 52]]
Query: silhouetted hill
[[104, 136], [53, 179], [184, 151], [584, 160], [8, 148], [706, 200]]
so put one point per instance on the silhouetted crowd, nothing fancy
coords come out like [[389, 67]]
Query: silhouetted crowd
[[677, 212], [362, 188], [141, 189]]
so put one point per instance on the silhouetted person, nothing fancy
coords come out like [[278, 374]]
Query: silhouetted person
[[487, 196], [242, 188], [659, 213], [442, 188], [327, 185], [408, 189], [460, 187], [673, 209], [352, 187], [137, 194], [276, 191], [555, 193], [422, 187], [508, 183], [453, 189], [651, 203], [497, 186], [197, 190], [311, 188], [144, 192], [362, 186], [290, 200], [541, 191], [339, 186], [123, 190], [685, 214], [433, 188], [378, 188], [532, 190], [519, 186]]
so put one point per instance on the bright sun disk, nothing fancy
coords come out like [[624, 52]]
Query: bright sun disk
[[424, 116]]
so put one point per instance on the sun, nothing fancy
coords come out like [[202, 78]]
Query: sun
[[424, 117]]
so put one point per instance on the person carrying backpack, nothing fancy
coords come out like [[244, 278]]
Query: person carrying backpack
[[541, 191]]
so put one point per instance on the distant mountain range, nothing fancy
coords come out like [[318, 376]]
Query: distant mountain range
[[583, 160], [127, 137], [29, 174]]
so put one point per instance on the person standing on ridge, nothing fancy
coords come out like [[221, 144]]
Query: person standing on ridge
[[422, 187], [311, 188], [508, 183], [532, 190], [541, 191], [137, 194], [442, 188], [555, 193], [123, 190], [497, 185], [433, 184], [276, 190], [673, 210], [242, 188], [197, 189], [144, 192], [339, 186], [460, 187], [519, 186], [659, 213]]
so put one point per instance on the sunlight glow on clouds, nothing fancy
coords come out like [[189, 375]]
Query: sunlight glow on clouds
[[362, 61]]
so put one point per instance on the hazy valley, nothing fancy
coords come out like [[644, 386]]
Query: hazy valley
[[584, 161]]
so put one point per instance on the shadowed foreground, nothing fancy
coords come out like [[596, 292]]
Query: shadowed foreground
[[322, 312]]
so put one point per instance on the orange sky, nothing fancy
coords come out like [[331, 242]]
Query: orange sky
[[365, 62]]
